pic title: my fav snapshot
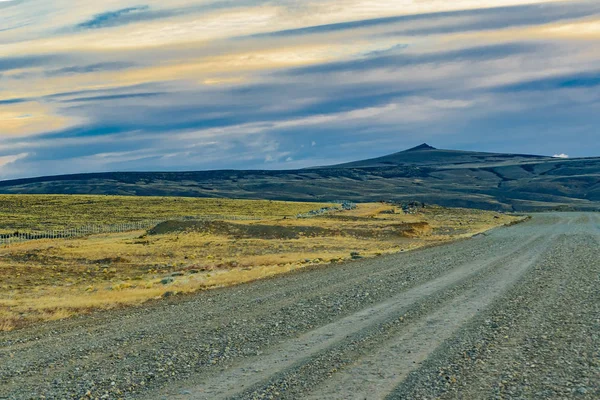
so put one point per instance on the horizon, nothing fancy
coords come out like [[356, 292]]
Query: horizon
[[198, 85], [557, 157]]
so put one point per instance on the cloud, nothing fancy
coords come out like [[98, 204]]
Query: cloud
[[5, 160], [486, 17], [12, 63], [7, 164], [257, 84], [12, 101], [396, 61], [561, 155], [113, 97], [502, 18], [117, 17], [28, 118], [573, 81], [145, 13], [92, 68]]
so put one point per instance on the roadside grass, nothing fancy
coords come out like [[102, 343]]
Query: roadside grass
[[55, 279]]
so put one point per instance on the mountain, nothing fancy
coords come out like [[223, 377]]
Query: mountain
[[420, 147], [504, 182], [426, 155]]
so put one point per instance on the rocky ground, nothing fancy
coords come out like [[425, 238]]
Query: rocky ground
[[510, 314]]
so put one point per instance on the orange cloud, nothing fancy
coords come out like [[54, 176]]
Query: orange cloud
[[30, 118]]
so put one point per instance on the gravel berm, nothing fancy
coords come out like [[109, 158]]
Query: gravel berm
[[511, 314]]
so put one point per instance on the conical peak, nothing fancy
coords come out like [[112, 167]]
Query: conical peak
[[421, 147]]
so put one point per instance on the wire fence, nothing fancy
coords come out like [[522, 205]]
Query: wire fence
[[8, 239], [96, 229]]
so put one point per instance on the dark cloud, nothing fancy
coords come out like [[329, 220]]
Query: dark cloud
[[92, 129], [121, 93], [157, 112], [574, 81], [142, 13], [113, 97], [479, 53], [119, 17], [101, 92], [86, 69], [11, 63], [13, 101]]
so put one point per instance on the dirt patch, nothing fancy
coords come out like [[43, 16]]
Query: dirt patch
[[261, 231], [415, 229], [112, 260], [240, 231]]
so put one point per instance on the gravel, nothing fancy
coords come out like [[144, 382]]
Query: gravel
[[513, 314], [540, 340]]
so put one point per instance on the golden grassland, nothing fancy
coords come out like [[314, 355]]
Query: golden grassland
[[54, 279], [34, 213]]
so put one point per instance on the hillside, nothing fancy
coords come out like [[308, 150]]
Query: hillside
[[426, 155], [445, 177]]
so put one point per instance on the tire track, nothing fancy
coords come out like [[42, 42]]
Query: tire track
[[297, 353], [378, 373], [538, 341]]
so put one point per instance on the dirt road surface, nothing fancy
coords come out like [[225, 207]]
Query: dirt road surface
[[513, 314]]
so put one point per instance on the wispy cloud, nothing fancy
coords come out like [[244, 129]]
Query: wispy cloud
[[195, 84], [26, 61], [91, 68], [573, 81], [117, 17]]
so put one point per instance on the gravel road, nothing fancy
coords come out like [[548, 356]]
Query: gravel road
[[511, 314]]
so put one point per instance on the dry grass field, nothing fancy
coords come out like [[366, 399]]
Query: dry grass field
[[53, 279], [35, 213]]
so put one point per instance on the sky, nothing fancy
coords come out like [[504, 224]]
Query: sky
[[147, 85]]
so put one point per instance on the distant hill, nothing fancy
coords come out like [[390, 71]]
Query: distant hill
[[446, 177], [426, 155]]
